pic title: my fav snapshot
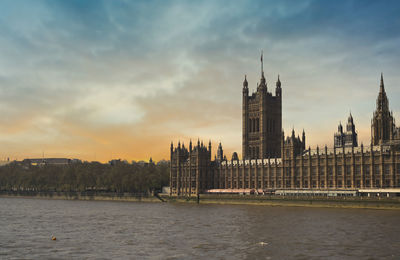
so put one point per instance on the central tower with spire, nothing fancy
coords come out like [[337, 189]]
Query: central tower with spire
[[261, 120], [382, 124]]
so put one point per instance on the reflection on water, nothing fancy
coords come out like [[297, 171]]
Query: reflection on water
[[105, 230]]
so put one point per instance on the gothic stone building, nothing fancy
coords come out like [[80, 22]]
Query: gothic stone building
[[272, 162], [348, 138], [262, 120]]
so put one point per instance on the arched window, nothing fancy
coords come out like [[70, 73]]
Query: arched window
[[258, 125], [250, 125]]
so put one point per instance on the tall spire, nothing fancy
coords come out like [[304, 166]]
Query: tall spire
[[262, 81], [382, 123], [262, 64], [382, 102], [382, 89]]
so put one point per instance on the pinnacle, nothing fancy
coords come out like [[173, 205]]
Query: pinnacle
[[245, 83]]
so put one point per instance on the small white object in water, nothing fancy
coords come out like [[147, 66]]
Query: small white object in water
[[263, 243]]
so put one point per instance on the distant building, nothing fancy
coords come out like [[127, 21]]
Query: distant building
[[52, 161], [348, 138], [114, 162], [2, 163], [272, 162]]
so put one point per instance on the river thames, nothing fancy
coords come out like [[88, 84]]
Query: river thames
[[129, 230]]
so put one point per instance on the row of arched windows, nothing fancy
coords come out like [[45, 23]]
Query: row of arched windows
[[254, 152], [254, 125]]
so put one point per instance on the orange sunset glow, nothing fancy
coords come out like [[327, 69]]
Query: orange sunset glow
[[104, 80]]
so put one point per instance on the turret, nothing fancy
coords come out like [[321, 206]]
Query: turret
[[350, 119], [245, 83], [350, 124], [278, 90], [220, 153], [340, 128], [235, 156], [209, 149], [171, 150], [245, 89]]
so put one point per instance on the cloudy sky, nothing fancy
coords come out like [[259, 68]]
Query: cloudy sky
[[122, 79]]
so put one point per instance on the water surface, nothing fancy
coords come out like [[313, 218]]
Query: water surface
[[129, 230]]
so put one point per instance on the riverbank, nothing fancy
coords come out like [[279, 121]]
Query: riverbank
[[294, 201], [261, 200], [94, 196]]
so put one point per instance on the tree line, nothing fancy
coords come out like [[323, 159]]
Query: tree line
[[85, 176]]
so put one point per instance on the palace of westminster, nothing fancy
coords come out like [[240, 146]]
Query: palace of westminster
[[272, 161]]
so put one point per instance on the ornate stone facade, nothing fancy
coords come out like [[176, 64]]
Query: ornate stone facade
[[261, 120], [191, 169], [273, 162], [382, 123], [348, 138]]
